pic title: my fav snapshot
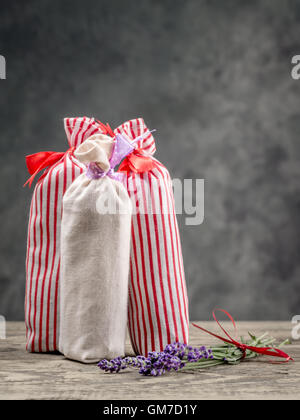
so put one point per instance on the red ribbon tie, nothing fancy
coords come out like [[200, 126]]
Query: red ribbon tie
[[268, 351], [42, 160], [137, 162]]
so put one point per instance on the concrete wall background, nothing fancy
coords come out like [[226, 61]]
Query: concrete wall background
[[214, 78]]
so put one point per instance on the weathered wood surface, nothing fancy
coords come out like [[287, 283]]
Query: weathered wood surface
[[48, 376]]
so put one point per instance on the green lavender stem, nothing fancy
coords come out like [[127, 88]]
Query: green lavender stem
[[230, 354]]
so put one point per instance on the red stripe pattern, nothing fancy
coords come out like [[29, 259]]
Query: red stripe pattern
[[158, 303], [43, 244]]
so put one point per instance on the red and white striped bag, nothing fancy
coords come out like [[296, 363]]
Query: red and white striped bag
[[158, 303], [43, 244]]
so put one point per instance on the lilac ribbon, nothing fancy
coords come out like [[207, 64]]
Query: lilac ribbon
[[122, 148], [94, 172]]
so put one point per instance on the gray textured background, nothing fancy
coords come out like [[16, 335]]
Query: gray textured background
[[214, 78]]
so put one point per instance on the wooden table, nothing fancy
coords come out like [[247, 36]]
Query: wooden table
[[48, 376]]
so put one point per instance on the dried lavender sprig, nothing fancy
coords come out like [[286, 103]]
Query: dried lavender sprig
[[119, 363], [174, 357], [178, 356]]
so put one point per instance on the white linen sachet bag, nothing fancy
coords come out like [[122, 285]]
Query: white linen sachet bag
[[95, 247]]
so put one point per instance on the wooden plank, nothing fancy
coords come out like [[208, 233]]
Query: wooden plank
[[48, 376]]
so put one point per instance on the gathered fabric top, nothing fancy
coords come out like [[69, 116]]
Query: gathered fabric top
[[80, 129], [97, 148], [135, 128]]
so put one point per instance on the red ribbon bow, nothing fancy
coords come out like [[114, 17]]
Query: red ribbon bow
[[137, 162], [268, 351], [42, 160]]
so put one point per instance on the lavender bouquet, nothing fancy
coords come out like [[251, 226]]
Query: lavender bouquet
[[181, 357]]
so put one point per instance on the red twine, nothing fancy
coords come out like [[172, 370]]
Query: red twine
[[267, 351]]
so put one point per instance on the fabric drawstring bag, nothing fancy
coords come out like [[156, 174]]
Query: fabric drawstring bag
[[158, 303], [43, 243], [95, 249]]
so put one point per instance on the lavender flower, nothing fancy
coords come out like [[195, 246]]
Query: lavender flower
[[157, 363], [173, 357], [178, 356], [117, 364], [196, 354]]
